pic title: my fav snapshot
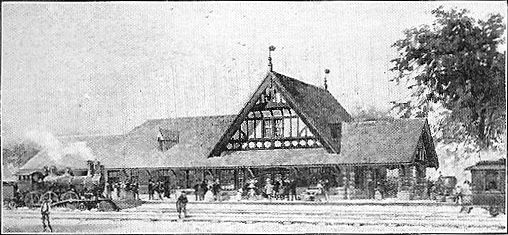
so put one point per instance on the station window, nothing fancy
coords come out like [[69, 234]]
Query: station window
[[491, 180]]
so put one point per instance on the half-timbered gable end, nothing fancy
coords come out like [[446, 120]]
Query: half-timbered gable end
[[275, 117]]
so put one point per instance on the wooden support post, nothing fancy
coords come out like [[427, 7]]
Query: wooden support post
[[367, 185]]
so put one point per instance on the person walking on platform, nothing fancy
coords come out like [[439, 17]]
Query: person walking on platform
[[467, 198], [181, 205], [45, 208]]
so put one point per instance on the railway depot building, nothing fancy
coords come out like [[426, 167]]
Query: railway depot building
[[287, 129]]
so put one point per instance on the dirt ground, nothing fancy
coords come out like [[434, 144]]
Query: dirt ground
[[32, 225]]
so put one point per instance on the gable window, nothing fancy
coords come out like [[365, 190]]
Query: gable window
[[267, 131], [336, 130], [277, 128]]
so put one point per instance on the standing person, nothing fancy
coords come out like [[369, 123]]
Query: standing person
[[202, 190], [150, 189], [276, 187], [287, 188], [216, 190], [45, 208], [196, 190], [122, 190], [467, 198], [135, 190], [159, 189], [268, 189], [181, 205], [209, 194], [320, 188], [292, 190], [326, 189], [167, 189]]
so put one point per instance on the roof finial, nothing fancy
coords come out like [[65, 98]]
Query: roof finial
[[270, 49], [327, 71]]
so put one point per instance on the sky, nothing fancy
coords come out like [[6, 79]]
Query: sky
[[104, 68]]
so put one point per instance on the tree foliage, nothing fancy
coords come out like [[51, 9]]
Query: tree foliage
[[19, 153], [455, 62]]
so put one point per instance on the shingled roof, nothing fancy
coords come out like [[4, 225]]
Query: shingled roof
[[388, 142]]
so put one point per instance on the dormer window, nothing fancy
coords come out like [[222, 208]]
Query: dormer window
[[167, 139]]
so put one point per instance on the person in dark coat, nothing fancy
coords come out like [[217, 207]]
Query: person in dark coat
[[276, 187], [135, 190], [202, 190], [150, 189], [292, 190], [167, 189], [196, 187], [181, 205], [160, 189]]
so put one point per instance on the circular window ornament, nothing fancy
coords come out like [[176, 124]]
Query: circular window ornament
[[268, 144], [303, 142], [295, 143], [259, 144], [278, 144], [244, 145], [252, 145], [287, 143], [310, 142]]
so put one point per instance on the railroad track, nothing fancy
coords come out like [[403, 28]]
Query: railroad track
[[303, 214]]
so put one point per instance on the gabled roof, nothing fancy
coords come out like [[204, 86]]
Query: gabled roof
[[489, 165], [390, 142], [197, 136], [386, 141], [316, 106]]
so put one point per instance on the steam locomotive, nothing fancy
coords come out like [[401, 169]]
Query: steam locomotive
[[64, 188]]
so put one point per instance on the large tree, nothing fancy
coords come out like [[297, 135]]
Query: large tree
[[456, 63]]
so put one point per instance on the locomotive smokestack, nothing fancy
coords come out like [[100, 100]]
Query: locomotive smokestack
[[90, 165]]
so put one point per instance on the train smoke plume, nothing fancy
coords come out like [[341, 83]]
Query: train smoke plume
[[56, 149]]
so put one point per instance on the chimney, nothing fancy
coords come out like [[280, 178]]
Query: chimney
[[327, 71], [90, 167]]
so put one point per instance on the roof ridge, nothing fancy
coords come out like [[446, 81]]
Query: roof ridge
[[302, 82], [190, 117]]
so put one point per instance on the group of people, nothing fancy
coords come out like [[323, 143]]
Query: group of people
[[281, 189], [122, 190], [162, 189], [207, 190]]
